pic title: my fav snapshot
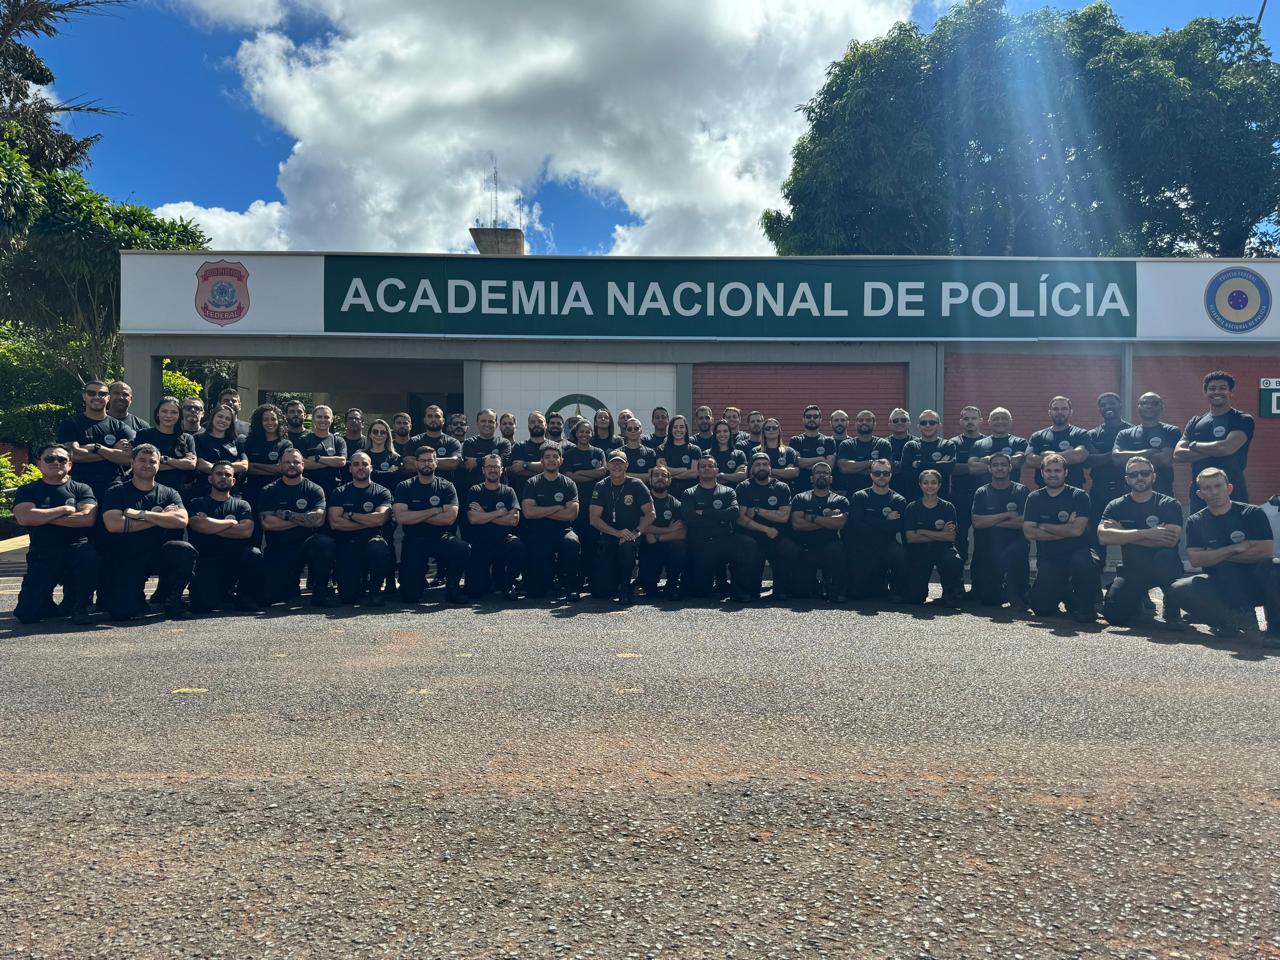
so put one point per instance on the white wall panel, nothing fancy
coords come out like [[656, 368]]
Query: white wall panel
[[522, 387]]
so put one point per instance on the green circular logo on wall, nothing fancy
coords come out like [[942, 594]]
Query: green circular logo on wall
[[582, 404]]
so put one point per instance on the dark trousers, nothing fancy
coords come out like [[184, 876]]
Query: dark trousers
[[1001, 570], [173, 562], [708, 557], [76, 568], [363, 567], [613, 566], [922, 559], [589, 538], [494, 564], [783, 556], [1214, 600], [820, 556], [963, 500], [550, 554], [234, 568], [285, 560], [450, 553], [1075, 578], [665, 555], [1142, 569], [878, 565]]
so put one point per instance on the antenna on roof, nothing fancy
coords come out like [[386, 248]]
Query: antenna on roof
[[493, 197]]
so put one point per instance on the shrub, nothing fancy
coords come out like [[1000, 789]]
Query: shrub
[[11, 477], [32, 424], [177, 384]]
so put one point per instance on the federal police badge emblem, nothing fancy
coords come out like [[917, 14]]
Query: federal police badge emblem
[[1237, 300], [222, 291]]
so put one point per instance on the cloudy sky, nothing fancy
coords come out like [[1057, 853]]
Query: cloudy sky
[[628, 128]]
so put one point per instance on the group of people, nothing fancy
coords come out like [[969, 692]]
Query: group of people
[[237, 510]]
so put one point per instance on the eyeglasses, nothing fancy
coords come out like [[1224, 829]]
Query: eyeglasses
[[771, 429], [53, 459], [927, 423], [1140, 474], [882, 473], [631, 429], [899, 420], [378, 432]]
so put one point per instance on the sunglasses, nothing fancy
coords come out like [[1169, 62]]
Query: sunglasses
[[899, 420], [96, 393], [53, 459], [882, 473], [927, 423], [771, 429], [1140, 474], [378, 432], [632, 429]]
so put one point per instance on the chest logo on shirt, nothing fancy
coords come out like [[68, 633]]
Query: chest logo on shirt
[[368, 506], [300, 503], [1063, 516], [628, 500], [1156, 441], [641, 461], [1064, 444], [939, 524], [441, 451], [1153, 521], [937, 456], [596, 461], [1237, 536], [558, 498], [717, 504], [386, 465], [820, 451], [1237, 300], [434, 501], [885, 511], [773, 501], [1011, 506], [1219, 432], [109, 440], [1007, 451], [273, 455], [666, 514]]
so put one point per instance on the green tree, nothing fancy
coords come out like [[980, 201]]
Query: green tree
[[1041, 134]]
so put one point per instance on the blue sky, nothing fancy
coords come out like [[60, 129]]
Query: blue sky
[[191, 131]]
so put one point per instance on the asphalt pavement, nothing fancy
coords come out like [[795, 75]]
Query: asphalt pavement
[[682, 781]]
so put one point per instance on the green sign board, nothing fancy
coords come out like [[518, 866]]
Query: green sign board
[[730, 299], [1269, 397]]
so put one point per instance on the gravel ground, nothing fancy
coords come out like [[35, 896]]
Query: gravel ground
[[698, 781]]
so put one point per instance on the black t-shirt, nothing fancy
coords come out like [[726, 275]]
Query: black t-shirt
[[1041, 507], [963, 484], [353, 499], [606, 443], [780, 458], [1207, 532], [989, 501], [135, 423], [745, 441], [406, 447], [258, 449], [303, 497], [477, 447], [622, 503], [1209, 429], [1107, 479], [1010, 445], [770, 495], [1050, 440], [386, 467], [108, 431], [1131, 515], [807, 446], [655, 440], [812, 505], [425, 496], [666, 511], [330, 445], [545, 492], [728, 461], [859, 451], [640, 459], [1140, 439], [125, 496], [873, 511], [232, 507], [168, 444], [212, 449], [710, 513], [935, 518], [682, 457], [49, 539], [901, 482], [921, 455], [486, 534], [530, 452], [354, 445]]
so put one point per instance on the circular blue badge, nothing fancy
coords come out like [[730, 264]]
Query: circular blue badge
[[1237, 300]]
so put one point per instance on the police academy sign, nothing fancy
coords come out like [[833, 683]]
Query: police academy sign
[[774, 298]]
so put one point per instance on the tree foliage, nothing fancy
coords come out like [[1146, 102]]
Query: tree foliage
[[1042, 134]]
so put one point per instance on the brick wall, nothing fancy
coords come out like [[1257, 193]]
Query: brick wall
[[783, 390]]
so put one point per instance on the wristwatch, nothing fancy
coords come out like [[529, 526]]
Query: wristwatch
[[95, 447]]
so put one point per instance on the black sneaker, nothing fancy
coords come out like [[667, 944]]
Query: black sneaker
[[377, 599], [176, 610], [327, 600], [80, 617]]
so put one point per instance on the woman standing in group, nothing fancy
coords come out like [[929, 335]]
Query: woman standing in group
[[386, 462], [606, 438], [177, 448], [263, 448], [783, 460], [730, 458], [681, 455], [219, 442]]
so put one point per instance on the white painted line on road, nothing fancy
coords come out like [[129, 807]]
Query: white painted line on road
[[187, 690], [15, 543], [628, 656]]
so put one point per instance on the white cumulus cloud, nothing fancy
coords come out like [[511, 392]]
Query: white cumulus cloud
[[685, 110]]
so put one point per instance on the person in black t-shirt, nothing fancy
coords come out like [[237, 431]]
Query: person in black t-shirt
[[402, 438], [354, 438], [811, 447], [1106, 477], [295, 421], [1152, 438], [192, 415], [1219, 438], [118, 405], [497, 554], [1000, 440], [358, 515], [144, 521], [526, 456], [177, 449], [1147, 527], [817, 517], [230, 397], [710, 512], [899, 436], [1056, 517], [929, 451], [930, 525], [475, 448], [663, 545], [640, 459], [1001, 555], [854, 455], [549, 507], [731, 459], [427, 507], [292, 513], [965, 474], [325, 452], [229, 563], [57, 513], [750, 438], [839, 434], [785, 463], [218, 442], [584, 465], [1232, 544], [263, 446], [621, 511], [764, 512], [877, 558], [99, 444], [1067, 441], [661, 421]]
